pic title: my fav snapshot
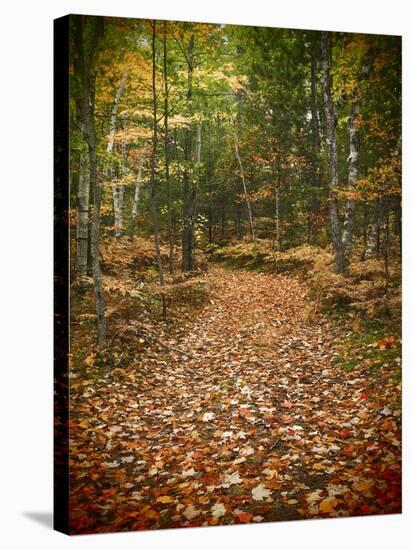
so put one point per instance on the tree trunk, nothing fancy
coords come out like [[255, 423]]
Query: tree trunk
[[398, 210], [353, 160], [121, 187], [189, 190], [372, 241], [136, 196], [338, 249], [166, 146], [373, 238], [153, 174], [277, 212], [116, 192], [386, 251], [196, 184], [245, 191], [315, 143], [89, 33], [223, 221], [82, 225], [95, 239], [209, 188]]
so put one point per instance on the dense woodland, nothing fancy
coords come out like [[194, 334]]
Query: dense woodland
[[235, 242]]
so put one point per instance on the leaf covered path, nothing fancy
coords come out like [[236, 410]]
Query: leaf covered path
[[255, 423]]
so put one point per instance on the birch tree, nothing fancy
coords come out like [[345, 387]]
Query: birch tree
[[338, 249], [89, 33], [82, 215], [189, 190], [166, 148], [116, 192], [353, 159], [315, 141], [153, 204], [136, 196], [244, 184]]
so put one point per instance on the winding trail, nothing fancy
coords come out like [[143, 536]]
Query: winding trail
[[260, 425]]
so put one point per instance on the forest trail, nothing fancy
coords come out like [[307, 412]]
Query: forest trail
[[251, 421]]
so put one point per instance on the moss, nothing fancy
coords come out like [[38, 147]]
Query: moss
[[366, 346]]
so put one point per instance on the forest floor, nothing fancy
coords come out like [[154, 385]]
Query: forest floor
[[245, 417]]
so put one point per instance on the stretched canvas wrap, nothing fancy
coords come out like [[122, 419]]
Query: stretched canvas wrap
[[227, 274]]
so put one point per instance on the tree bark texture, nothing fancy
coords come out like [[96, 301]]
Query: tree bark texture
[[372, 240], [353, 161], [189, 189], [338, 249], [245, 190], [153, 173], [136, 195], [82, 222], [166, 147], [315, 142], [90, 31], [116, 191]]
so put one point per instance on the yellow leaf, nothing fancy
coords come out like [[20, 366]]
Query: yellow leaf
[[90, 359], [328, 504], [165, 499]]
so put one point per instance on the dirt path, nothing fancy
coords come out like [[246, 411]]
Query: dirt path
[[260, 426]]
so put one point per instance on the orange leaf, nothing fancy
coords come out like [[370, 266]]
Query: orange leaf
[[245, 518], [327, 505], [164, 500]]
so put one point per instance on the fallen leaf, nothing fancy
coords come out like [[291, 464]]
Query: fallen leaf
[[244, 518], [165, 499], [218, 510], [191, 512], [328, 504], [260, 492]]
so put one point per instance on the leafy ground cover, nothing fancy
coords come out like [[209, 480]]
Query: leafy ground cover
[[240, 410]]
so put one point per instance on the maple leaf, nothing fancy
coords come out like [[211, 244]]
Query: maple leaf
[[151, 514], [218, 510], [189, 473], [386, 411], [247, 451], [231, 479], [260, 492], [111, 464], [191, 512], [165, 499], [270, 474], [244, 518], [328, 504]]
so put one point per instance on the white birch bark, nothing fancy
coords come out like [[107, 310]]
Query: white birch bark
[[329, 106], [353, 160], [242, 175], [113, 115], [121, 188], [82, 225], [109, 149], [136, 197]]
